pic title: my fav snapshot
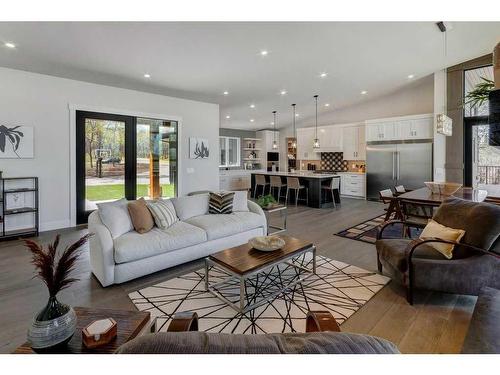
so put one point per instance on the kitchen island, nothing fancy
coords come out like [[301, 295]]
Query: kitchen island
[[311, 180]]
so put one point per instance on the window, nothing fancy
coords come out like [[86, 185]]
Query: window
[[229, 151]]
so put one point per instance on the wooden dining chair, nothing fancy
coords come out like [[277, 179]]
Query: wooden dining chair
[[387, 197], [400, 189], [415, 214]]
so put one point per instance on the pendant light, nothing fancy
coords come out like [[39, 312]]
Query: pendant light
[[294, 142], [275, 145], [316, 140]]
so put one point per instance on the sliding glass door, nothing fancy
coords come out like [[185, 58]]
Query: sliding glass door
[[123, 157]]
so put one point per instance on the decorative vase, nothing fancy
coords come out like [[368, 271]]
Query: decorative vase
[[52, 327]]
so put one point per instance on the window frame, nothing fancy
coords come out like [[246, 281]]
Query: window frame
[[226, 151]]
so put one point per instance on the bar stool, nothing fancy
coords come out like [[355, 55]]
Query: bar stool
[[333, 185], [260, 180], [276, 183], [293, 183]]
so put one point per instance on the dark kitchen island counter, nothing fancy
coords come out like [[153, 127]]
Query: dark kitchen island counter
[[313, 181]]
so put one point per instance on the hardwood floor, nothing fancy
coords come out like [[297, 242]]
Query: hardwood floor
[[436, 323]]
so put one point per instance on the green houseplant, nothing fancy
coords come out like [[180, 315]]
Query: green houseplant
[[480, 94], [266, 200]]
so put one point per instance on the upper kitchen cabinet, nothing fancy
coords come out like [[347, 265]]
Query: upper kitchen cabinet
[[400, 128], [268, 136], [305, 139], [353, 142], [330, 139]]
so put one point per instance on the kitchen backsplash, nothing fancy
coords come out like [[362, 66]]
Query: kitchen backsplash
[[334, 161]]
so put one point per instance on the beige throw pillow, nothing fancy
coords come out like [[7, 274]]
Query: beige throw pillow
[[436, 230], [141, 217]]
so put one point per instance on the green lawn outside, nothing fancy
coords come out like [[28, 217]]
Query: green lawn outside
[[109, 192]]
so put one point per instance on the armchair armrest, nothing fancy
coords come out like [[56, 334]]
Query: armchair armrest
[[321, 321], [184, 322], [381, 229]]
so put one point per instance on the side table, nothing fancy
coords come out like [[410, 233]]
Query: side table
[[129, 323], [283, 210]]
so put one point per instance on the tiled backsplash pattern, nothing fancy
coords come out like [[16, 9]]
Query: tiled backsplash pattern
[[334, 161]]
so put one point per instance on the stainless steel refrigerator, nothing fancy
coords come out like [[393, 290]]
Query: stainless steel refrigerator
[[389, 164]]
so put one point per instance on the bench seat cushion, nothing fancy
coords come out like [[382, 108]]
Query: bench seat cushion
[[224, 225], [133, 246]]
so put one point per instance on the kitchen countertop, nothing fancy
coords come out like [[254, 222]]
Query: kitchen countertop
[[303, 174]]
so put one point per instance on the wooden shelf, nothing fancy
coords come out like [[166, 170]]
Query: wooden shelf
[[252, 139], [21, 210], [21, 190]]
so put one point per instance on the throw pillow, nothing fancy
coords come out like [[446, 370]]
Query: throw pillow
[[434, 229], [188, 207], [240, 201], [221, 203], [114, 215], [141, 216], [163, 212]]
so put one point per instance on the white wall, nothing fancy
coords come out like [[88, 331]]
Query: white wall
[[43, 102]]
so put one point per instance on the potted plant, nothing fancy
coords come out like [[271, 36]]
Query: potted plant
[[480, 93], [55, 324], [266, 201]]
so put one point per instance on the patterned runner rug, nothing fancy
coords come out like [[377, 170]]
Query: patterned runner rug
[[337, 287]]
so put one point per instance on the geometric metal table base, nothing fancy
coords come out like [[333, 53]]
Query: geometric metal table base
[[253, 289]]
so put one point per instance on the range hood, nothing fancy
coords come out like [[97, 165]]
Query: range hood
[[494, 101]]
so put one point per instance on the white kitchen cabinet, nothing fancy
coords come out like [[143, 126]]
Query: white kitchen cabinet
[[353, 142], [330, 138], [400, 128], [305, 150], [353, 184], [234, 181]]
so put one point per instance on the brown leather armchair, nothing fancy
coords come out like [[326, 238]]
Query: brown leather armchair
[[475, 262]]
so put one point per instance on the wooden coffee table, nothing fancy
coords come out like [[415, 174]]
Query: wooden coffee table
[[129, 323], [257, 273]]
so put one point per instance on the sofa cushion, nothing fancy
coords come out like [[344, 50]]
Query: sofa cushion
[[240, 201], [163, 212], [190, 206], [141, 217], [114, 215], [481, 221], [393, 251], [220, 202], [133, 246], [218, 226]]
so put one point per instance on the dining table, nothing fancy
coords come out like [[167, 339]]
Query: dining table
[[425, 196]]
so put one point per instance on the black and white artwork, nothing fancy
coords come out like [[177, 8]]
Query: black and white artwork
[[198, 148], [16, 142]]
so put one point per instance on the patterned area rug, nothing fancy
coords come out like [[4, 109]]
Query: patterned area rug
[[367, 230], [337, 287]]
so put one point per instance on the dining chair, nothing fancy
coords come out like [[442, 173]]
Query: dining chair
[[277, 183], [334, 184], [293, 183], [260, 180], [400, 189], [415, 214], [387, 197]]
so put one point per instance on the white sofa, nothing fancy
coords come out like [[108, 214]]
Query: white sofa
[[197, 234]]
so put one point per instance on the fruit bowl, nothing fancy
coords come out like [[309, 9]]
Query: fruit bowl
[[443, 188], [267, 243]]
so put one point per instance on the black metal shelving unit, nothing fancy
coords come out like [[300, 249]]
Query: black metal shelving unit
[[6, 212]]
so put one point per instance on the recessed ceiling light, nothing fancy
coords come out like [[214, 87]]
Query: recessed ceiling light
[[323, 75], [283, 92], [327, 104], [147, 75], [10, 45], [271, 123], [263, 52], [252, 105], [226, 92], [296, 115], [228, 117], [410, 76], [364, 92], [252, 120]]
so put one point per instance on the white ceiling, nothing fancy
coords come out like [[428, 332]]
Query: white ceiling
[[200, 60]]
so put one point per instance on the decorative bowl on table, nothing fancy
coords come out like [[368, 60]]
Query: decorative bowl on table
[[267, 243], [443, 188]]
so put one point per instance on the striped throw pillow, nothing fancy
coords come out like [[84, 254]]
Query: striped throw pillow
[[221, 203], [163, 212]]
